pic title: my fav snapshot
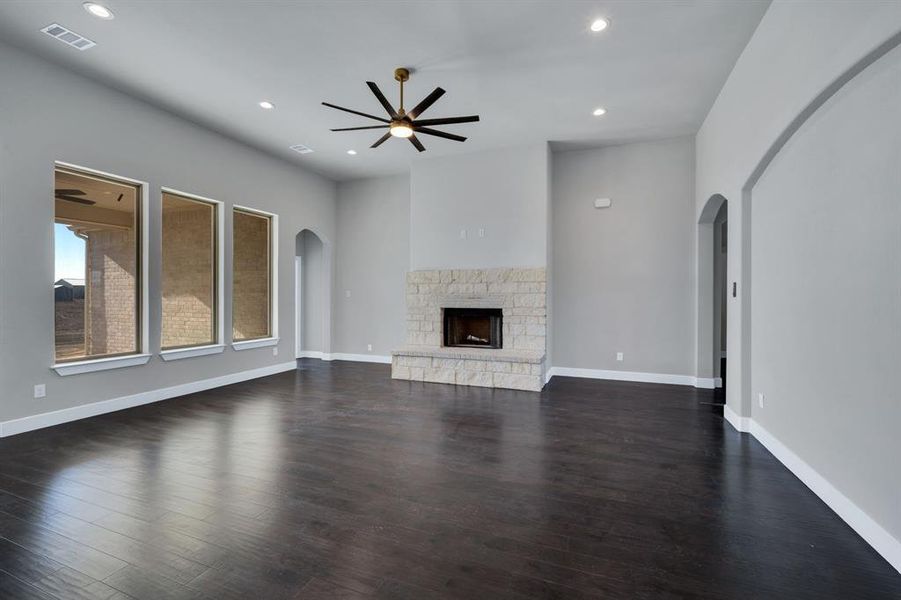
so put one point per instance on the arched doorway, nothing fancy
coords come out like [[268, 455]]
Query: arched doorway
[[312, 295], [713, 293]]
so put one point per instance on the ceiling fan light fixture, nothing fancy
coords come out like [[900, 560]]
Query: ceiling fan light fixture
[[401, 129]]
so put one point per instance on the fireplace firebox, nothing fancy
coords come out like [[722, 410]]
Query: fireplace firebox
[[473, 327]]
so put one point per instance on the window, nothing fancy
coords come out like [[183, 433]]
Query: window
[[252, 275], [98, 288], [189, 278]]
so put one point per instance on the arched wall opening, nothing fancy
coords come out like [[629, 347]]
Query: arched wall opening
[[712, 283], [312, 295]]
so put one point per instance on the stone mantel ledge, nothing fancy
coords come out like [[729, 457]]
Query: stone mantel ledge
[[534, 357]]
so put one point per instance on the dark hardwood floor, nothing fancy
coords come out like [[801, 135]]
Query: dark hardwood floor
[[336, 482]]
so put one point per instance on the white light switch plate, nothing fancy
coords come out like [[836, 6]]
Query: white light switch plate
[[619, 356], [40, 391]]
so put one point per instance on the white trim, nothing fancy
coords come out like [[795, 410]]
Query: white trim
[[84, 411], [742, 424], [718, 382], [180, 353], [273, 267], [367, 358], [219, 207], [881, 540], [251, 344], [707, 383], [298, 306], [630, 376], [145, 265], [100, 364], [549, 373]]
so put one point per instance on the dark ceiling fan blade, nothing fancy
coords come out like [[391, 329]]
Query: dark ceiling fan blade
[[356, 112], [441, 134], [75, 199], [426, 102], [448, 120], [415, 141], [381, 98], [381, 140], [357, 128], [67, 192]]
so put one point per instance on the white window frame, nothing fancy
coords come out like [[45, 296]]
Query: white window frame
[[273, 338], [142, 357], [219, 346]]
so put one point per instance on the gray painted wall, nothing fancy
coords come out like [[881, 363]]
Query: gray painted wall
[[622, 274], [50, 114], [826, 315], [503, 192], [792, 57], [312, 309], [371, 261]]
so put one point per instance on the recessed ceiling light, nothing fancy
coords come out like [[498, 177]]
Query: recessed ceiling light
[[351, 152], [267, 105], [599, 111], [599, 25], [98, 10]]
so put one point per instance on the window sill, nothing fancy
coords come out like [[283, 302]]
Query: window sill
[[180, 353], [100, 364], [250, 344]]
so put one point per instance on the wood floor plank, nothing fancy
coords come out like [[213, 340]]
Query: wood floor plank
[[336, 481]]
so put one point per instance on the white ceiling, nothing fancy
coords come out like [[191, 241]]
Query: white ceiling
[[531, 69]]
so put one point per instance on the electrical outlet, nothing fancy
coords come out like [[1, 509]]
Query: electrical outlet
[[369, 347], [760, 399], [347, 293], [40, 391], [275, 351], [619, 356]]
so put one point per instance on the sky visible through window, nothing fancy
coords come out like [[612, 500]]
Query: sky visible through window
[[69, 254]]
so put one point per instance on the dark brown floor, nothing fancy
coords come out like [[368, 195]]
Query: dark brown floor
[[336, 482]]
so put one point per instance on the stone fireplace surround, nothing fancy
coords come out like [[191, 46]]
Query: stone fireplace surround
[[521, 293]]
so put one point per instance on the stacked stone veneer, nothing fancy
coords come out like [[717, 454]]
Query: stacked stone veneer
[[521, 294]]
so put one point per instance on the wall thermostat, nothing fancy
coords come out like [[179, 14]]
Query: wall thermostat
[[602, 203]]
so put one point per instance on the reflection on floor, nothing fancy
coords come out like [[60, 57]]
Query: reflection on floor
[[335, 481]]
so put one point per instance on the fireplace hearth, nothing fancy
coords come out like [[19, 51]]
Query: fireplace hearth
[[473, 328]]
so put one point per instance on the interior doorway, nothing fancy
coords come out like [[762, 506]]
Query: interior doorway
[[311, 296], [720, 299]]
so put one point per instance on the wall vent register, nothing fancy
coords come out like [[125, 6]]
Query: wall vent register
[[67, 36]]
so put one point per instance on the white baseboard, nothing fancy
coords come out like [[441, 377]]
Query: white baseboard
[[630, 376], [877, 537], [369, 358], [742, 424], [718, 382], [93, 409]]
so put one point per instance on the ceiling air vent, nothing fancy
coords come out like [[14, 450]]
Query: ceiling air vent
[[68, 36], [301, 149]]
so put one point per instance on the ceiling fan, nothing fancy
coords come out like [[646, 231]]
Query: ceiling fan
[[72, 196], [404, 124]]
